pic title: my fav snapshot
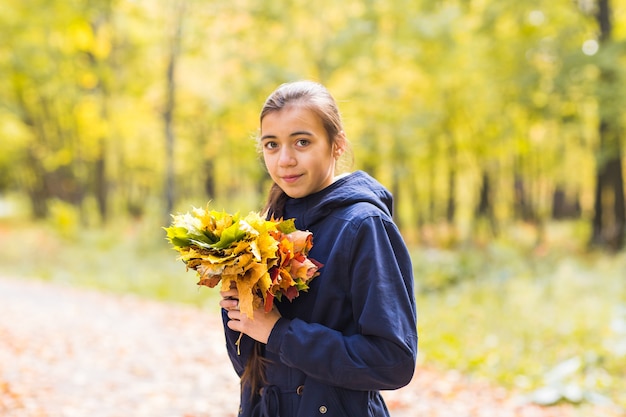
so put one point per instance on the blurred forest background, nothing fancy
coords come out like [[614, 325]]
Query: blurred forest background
[[498, 126]]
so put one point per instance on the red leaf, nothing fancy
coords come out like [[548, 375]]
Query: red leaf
[[291, 293], [269, 302]]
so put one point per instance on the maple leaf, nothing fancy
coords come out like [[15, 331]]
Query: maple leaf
[[264, 258], [303, 269], [230, 235], [211, 281], [269, 302], [178, 236], [302, 241], [287, 226], [291, 293]]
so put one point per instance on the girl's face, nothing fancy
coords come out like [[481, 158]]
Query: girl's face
[[297, 151]]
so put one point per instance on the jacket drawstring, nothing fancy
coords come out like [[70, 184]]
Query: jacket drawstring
[[269, 401]]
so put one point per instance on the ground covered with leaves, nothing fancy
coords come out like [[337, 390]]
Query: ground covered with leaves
[[68, 352]]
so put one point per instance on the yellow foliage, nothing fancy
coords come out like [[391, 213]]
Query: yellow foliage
[[81, 35], [225, 248]]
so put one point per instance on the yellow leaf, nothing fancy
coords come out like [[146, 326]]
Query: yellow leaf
[[246, 298], [268, 246]]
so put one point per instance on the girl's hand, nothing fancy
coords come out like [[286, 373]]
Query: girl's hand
[[230, 298], [259, 327]]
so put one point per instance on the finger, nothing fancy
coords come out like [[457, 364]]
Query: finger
[[235, 325], [230, 303], [229, 293], [234, 302], [234, 315]]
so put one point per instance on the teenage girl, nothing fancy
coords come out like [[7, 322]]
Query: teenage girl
[[332, 349]]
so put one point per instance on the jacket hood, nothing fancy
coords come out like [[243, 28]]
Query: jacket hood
[[357, 187]]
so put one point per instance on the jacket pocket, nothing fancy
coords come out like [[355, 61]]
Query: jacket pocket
[[321, 400]]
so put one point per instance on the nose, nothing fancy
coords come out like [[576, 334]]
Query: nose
[[286, 157]]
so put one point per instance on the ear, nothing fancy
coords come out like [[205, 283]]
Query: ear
[[339, 146]]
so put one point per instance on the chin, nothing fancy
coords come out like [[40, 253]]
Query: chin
[[296, 194]]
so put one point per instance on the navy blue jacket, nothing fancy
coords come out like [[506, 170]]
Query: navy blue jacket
[[354, 332]]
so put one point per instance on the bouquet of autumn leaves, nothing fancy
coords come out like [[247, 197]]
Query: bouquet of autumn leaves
[[266, 259]]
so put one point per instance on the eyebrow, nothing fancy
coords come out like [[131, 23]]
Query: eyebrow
[[297, 133]]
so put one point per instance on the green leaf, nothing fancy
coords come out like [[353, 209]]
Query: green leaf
[[211, 237], [287, 226], [230, 235], [177, 236]]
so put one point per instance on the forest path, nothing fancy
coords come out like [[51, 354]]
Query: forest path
[[68, 352]]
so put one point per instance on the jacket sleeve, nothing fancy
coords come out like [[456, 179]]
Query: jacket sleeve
[[380, 353]]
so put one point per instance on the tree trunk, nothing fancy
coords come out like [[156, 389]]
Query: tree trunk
[[101, 184], [37, 192], [395, 191], [36, 188], [451, 203], [522, 207], [168, 112], [484, 210], [452, 177], [609, 217], [564, 206], [209, 181]]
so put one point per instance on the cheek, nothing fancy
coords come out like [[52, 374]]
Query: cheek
[[266, 156], [269, 162]]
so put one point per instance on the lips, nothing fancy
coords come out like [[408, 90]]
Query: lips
[[290, 178]]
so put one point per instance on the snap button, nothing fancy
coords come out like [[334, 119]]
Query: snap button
[[300, 389], [323, 409]]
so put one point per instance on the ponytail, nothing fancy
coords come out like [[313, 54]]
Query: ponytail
[[254, 372], [275, 206]]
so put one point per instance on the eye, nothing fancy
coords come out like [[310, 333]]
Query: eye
[[303, 142], [269, 145]]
